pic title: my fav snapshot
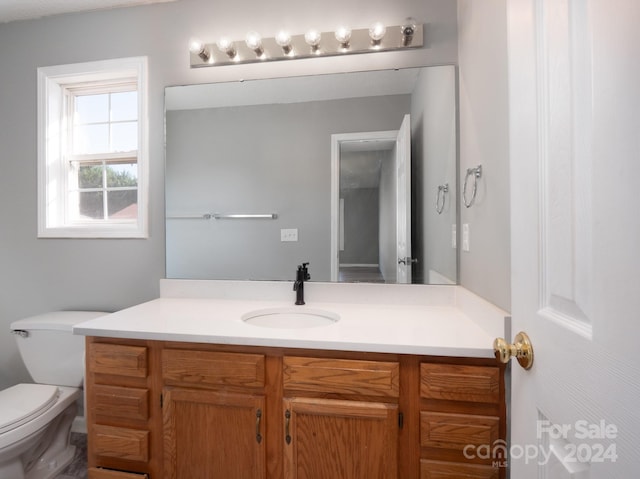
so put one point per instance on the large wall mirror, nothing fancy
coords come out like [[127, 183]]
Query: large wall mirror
[[354, 173]]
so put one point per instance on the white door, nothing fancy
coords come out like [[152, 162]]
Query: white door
[[574, 79], [403, 203]]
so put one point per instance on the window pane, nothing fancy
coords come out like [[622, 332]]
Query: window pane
[[91, 139], [124, 106], [91, 205], [124, 136], [122, 175], [91, 109], [90, 176], [123, 204]]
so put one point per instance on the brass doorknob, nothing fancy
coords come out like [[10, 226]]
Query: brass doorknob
[[521, 349]]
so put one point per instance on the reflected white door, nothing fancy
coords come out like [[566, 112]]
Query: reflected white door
[[403, 203], [574, 79]]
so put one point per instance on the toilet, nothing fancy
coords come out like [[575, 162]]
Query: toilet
[[35, 419]]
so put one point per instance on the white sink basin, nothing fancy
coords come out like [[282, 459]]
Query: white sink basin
[[290, 318]]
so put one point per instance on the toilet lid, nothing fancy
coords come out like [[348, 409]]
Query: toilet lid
[[22, 402]]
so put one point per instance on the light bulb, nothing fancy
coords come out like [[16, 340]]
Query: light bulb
[[198, 48], [312, 37], [377, 32], [226, 46], [407, 29], [254, 41], [343, 35], [283, 39]]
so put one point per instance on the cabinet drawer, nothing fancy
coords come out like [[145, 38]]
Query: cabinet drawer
[[460, 383], [209, 368], [451, 470], [344, 376], [120, 442], [98, 473], [455, 431], [118, 360], [120, 402]]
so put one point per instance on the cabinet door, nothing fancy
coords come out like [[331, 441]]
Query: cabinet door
[[211, 435], [340, 439]]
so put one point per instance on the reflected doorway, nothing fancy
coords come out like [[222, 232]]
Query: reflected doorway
[[371, 206]]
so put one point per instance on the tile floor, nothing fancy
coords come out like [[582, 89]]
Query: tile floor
[[78, 468]]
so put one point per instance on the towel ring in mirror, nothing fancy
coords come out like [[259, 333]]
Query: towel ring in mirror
[[442, 193]]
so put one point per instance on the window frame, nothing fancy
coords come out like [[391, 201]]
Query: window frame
[[55, 84]]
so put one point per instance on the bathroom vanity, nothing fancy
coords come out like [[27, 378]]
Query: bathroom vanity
[[183, 387]]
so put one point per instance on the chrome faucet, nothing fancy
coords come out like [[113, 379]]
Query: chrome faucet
[[302, 275]]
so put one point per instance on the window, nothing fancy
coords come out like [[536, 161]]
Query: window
[[92, 160]]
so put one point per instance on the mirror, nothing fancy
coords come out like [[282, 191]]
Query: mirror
[[263, 175]]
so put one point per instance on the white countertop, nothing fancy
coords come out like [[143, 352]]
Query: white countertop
[[421, 320]]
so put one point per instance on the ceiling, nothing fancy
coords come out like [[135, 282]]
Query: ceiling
[[12, 10]]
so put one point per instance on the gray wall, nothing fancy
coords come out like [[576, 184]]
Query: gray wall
[[361, 218], [260, 159], [484, 139], [44, 275]]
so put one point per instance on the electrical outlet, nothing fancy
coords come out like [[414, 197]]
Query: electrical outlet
[[290, 234], [465, 237]]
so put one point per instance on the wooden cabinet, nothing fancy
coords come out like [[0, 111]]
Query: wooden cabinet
[[355, 437], [342, 376], [213, 432], [329, 438], [449, 470], [193, 368], [462, 421], [118, 360], [122, 422], [223, 434], [169, 410], [98, 473]]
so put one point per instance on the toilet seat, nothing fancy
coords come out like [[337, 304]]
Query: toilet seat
[[21, 403]]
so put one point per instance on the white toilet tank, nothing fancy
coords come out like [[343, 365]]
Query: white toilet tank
[[50, 350]]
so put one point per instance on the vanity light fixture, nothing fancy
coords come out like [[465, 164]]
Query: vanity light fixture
[[226, 46], [343, 35], [314, 43], [254, 42]]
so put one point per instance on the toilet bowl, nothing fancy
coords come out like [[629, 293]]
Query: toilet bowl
[[35, 419]]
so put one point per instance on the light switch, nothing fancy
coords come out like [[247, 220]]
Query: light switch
[[465, 237], [454, 236], [290, 234]]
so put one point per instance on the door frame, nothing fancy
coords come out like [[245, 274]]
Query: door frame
[[336, 142]]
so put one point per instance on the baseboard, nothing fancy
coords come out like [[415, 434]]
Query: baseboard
[[359, 265]]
